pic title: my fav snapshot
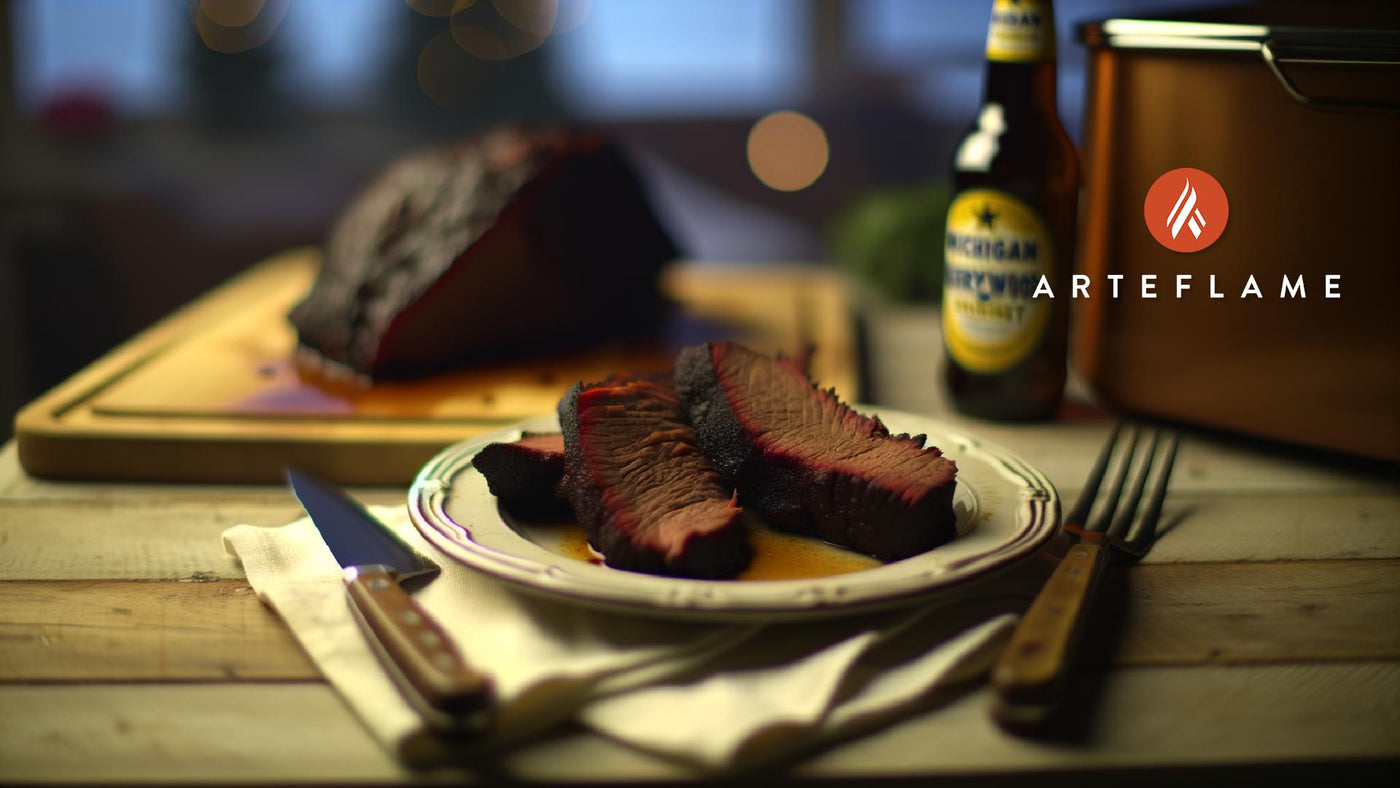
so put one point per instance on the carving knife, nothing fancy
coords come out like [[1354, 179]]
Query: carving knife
[[450, 695]]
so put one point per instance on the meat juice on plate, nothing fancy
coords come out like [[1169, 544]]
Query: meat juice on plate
[[776, 555]]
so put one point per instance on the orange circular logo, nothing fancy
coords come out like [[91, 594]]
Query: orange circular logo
[[1186, 210]]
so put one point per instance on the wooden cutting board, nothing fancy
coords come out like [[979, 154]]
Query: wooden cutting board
[[211, 394]]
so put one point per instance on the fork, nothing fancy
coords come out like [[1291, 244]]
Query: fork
[[1029, 677]]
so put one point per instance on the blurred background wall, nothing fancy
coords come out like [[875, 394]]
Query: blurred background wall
[[153, 148]]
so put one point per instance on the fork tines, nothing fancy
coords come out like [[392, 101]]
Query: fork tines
[[1114, 514]]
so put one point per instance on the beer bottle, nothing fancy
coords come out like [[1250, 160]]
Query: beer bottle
[[1011, 222]]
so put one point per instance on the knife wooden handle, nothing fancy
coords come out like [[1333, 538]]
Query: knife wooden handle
[[1029, 676], [455, 694]]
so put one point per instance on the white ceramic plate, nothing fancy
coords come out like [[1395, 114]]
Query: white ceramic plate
[[1006, 511]]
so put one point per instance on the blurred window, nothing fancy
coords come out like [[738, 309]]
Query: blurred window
[[124, 50], [130, 50], [937, 47], [670, 57], [629, 58], [338, 47]]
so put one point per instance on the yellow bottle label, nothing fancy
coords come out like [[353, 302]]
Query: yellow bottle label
[[1021, 31], [995, 252]]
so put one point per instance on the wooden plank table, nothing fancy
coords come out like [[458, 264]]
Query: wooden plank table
[[1260, 639]]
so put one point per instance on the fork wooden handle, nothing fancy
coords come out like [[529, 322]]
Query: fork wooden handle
[[1029, 676]]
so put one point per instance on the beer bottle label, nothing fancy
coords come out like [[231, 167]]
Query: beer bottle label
[[1021, 31], [995, 251]]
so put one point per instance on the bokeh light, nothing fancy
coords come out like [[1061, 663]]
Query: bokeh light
[[787, 151], [480, 42], [232, 26], [571, 14], [231, 13], [492, 31], [530, 16], [492, 39], [437, 7], [448, 75], [502, 29]]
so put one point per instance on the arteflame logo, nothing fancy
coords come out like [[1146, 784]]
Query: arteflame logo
[[1186, 210], [1179, 212]]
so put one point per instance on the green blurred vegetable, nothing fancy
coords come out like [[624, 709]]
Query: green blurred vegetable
[[893, 239]]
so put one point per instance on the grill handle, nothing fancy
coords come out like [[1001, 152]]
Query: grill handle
[[1278, 53]]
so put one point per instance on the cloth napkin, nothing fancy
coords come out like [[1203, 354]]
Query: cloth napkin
[[717, 696]]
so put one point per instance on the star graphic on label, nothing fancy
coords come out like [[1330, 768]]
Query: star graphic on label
[[986, 217]]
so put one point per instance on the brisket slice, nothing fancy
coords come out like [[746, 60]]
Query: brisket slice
[[525, 475], [513, 242], [809, 463], [646, 496]]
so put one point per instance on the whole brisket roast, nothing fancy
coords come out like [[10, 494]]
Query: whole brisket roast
[[511, 242], [646, 496], [526, 474], [809, 463]]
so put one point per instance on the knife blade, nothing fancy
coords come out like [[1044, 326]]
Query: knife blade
[[450, 694]]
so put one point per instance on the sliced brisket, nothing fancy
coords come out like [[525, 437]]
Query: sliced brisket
[[809, 463], [648, 499], [525, 475]]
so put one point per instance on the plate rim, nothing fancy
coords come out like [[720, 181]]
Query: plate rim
[[693, 599]]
